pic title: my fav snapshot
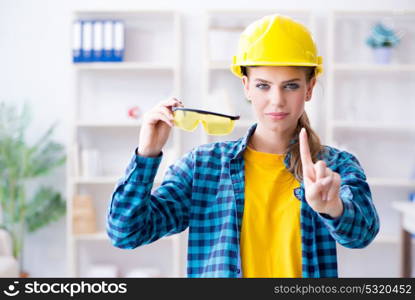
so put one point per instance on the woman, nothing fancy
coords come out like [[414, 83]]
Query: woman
[[271, 204]]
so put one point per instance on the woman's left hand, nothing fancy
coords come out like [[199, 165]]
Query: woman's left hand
[[321, 184]]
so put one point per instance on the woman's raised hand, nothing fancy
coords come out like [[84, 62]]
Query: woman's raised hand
[[321, 184], [156, 127]]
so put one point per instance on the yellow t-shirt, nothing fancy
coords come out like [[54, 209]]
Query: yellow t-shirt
[[271, 231]]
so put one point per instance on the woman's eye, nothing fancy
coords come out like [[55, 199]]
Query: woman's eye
[[292, 86], [262, 86]]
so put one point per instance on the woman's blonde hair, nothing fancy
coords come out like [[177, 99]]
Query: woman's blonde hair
[[295, 166]]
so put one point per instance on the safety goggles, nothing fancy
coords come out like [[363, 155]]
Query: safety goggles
[[213, 123]]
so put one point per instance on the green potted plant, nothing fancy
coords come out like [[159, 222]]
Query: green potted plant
[[20, 163], [382, 40]]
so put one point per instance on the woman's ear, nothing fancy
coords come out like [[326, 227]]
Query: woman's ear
[[310, 87], [245, 82]]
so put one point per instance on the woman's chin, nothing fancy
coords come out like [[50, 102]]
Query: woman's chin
[[276, 126]]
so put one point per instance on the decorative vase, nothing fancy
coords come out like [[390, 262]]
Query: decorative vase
[[382, 55]]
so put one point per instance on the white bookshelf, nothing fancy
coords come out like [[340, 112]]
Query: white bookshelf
[[103, 180], [125, 66], [150, 73], [102, 236], [369, 107], [221, 89], [370, 126], [391, 182], [117, 124], [375, 68]]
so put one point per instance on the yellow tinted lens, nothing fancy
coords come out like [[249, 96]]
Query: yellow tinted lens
[[216, 125], [186, 120]]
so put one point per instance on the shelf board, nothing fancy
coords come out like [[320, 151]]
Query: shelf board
[[102, 236], [115, 124], [378, 12], [386, 238], [123, 66], [406, 207], [99, 236], [391, 182], [219, 65], [244, 11], [96, 180], [389, 239], [357, 125], [128, 12], [374, 67], [227, 28], [110, 180]]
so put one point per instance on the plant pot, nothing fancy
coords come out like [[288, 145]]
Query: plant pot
[[382, 55]]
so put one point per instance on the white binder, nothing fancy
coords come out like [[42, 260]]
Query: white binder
[[118, 40], [98, 43], [76, 41], [108, 40], [87, 41]]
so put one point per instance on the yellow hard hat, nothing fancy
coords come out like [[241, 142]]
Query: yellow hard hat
[[276, 40]]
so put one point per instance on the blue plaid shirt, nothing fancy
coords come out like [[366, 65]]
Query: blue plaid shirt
[[204, 191]]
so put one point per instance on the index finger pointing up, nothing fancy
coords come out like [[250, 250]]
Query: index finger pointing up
[[306, 160]]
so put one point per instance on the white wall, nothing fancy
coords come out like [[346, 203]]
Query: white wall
[[35, 64]]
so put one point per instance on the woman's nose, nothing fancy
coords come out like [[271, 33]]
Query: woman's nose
[[277, 98]]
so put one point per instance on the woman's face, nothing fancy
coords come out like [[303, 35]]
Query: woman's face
[[277, 89]]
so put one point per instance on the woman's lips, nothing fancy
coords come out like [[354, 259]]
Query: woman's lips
[[277, 116]]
